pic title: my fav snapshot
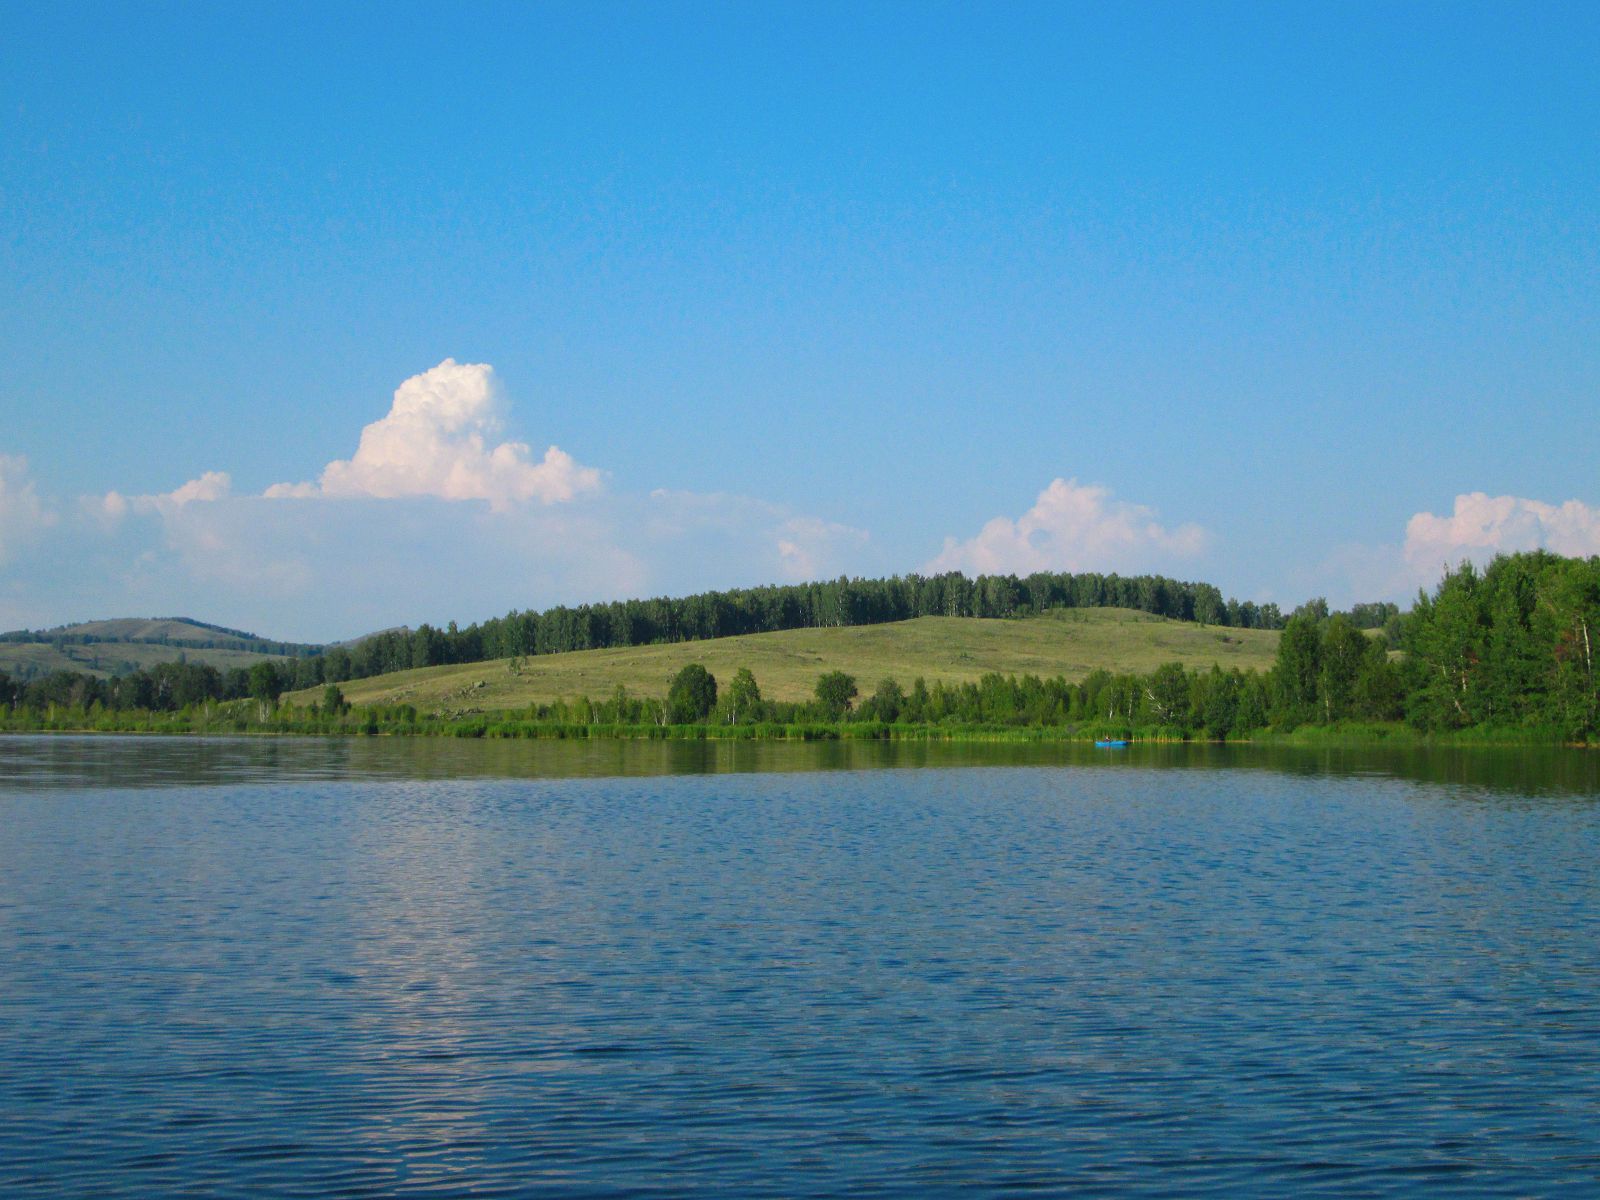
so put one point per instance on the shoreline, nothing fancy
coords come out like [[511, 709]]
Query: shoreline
[[488, 728]]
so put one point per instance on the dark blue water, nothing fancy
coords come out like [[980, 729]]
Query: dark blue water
[[338, 969]]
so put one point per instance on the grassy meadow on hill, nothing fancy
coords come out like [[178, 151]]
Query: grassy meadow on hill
[[786, 664]]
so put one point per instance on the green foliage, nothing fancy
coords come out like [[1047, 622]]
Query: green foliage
[[1254, 707], [886, 703], [1447, 643], [1297, 675], [1372, 616], [1378, 693], [835, 691], [1218, 703], [1166, 695], [743, 699], [1342, 653], [265, 683], [1511, 647], [915, 707], [692, 695]]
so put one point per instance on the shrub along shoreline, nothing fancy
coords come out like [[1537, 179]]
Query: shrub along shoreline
[[229, 720]]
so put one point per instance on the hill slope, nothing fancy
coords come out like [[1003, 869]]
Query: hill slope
[[148, 629], [177, 630], [28, 660], [122, 645], [1069, 642]]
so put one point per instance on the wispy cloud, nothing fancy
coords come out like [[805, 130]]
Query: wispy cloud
[[1072, 527], [810, 548], [23, 515], [209, 487], [777, 542]]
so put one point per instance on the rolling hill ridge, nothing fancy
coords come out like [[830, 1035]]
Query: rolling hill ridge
[[122, 645], [1068, 642]]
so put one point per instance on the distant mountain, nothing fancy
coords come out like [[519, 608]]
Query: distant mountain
[[125, 644], [352, 643], [164, 631]]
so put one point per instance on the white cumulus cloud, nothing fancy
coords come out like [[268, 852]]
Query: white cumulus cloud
[[397, 547], [1072, 527], [23, 516], [1477, 528], [1482, 526], [436, 441]]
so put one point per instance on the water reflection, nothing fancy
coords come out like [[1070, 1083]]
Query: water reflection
[[54, 762], [376, 968]]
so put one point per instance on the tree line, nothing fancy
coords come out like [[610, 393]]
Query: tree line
[[1511, 648], [1354, 680], [827, 604], [713, 614], [165, 687]]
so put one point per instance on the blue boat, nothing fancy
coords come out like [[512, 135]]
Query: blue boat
[[1111, 743]]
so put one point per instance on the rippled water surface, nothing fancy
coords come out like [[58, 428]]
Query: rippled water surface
[[367, 968]]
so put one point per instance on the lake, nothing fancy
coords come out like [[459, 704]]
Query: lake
[[374, 967]]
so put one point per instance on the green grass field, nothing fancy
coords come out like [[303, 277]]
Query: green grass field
[[1068, 642]]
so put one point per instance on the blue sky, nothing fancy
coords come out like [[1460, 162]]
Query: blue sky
[[1299, 300]]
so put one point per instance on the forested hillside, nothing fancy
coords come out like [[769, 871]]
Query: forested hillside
[[1507, 652], [833, 604], [1071, 643]]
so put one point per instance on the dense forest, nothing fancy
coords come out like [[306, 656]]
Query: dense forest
[[1511, 646], [165, 687], [1508, 650]]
